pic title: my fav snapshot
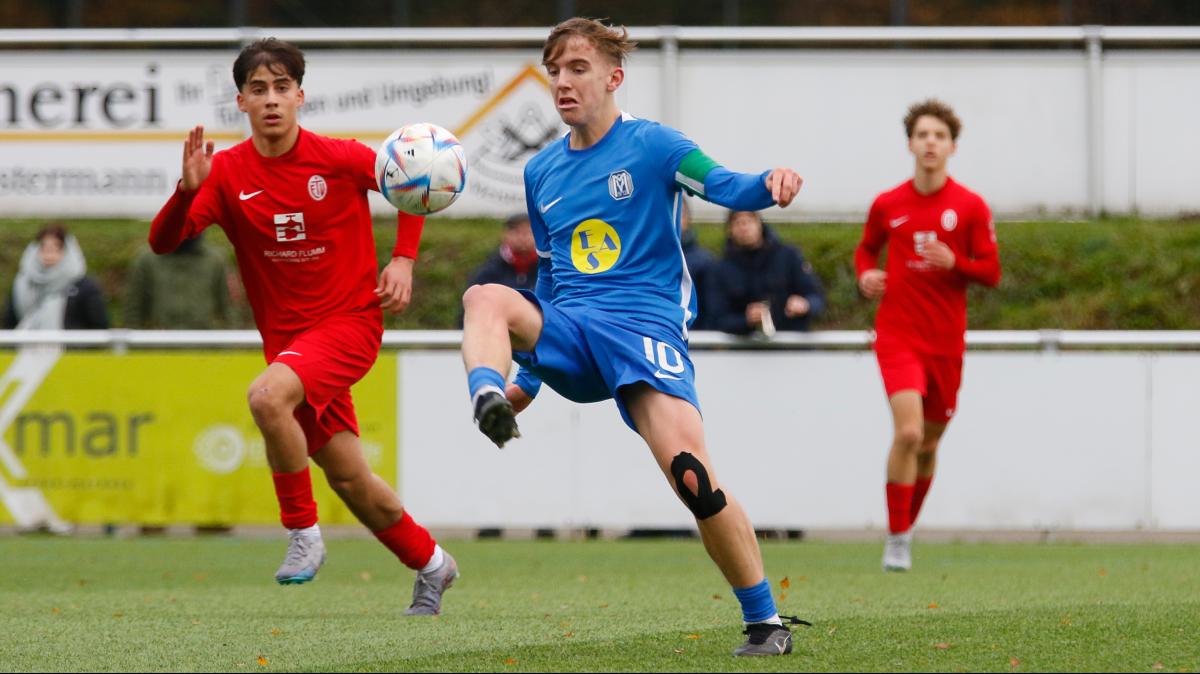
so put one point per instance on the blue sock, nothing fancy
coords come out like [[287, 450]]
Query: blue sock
[[757, 603], [484, 377]]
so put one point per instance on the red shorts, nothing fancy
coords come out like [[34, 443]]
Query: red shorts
[[936, 378], [330, 357]]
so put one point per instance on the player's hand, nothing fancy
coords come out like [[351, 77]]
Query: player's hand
[[938, 254], [873, 283], [518, 397], [797, 305], [395, 285], [784, 184], [197, 159], [755, 312]]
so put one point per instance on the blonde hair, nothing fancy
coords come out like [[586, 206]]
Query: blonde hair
[[611, 41]]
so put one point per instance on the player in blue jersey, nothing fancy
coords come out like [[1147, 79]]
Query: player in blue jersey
[[609, 315]]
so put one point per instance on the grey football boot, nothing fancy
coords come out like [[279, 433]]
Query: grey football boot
[[305, 555], [429, 587], [769, 638], [897, 552], [495, 417]]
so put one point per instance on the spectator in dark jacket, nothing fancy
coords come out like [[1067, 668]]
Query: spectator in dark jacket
[[52, 290], [514, 264], [700, 263], [187, 289], [761, 284]]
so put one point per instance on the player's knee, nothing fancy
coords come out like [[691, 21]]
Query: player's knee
[[483, 297], [344, 485], [266, 402], [694, 486], [928, 450], [910, 437]]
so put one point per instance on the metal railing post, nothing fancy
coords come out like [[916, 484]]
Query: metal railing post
[[668, 108], [1094, 37]]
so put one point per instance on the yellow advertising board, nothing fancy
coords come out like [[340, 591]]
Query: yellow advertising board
[[162, 437]]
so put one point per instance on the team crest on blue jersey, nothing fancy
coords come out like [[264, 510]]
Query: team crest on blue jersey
[[620, 185]]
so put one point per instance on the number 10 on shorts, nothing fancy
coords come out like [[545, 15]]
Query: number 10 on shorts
[[663, 355]]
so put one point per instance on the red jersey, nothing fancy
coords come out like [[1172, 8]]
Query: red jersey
[[300, 226], [925, 307]]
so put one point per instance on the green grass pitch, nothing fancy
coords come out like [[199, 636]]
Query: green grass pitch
[[210, 604]]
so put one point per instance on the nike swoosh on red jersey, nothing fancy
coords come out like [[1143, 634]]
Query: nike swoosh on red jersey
[[243, 196]]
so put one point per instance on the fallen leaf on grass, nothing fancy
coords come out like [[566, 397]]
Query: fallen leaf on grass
[[275, 631], [1157, 665], [785, 583], [1103, 572], [262, 662], [1065, 621], [1014, 662], [692, 636], [942, 646], [832, 630], [677, 650], [510, 661], [717, 597], [568, 635], [782, 596], [118, 614], [365, 575], [933, 604], [582, 579], [56, 610], [604, 606]]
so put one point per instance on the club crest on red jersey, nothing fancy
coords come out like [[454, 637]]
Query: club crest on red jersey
[[317, 188], [949, 219], [289, 227]]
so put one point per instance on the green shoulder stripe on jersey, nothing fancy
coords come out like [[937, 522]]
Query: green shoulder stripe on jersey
[[692, 171]]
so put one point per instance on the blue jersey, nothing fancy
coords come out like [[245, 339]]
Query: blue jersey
[[606, 220]]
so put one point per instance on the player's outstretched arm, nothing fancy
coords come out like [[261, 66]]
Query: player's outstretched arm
[[182, 217], [197, 160], [783, 184], [702, 176]]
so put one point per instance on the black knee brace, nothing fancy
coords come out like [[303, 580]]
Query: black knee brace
[[706, 502]]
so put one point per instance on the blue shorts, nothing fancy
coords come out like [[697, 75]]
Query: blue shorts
[[587, 356]]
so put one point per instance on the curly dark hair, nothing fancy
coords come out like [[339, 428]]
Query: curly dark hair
[[932, 107]]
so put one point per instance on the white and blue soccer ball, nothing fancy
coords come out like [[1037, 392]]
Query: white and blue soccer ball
[[421, 168]]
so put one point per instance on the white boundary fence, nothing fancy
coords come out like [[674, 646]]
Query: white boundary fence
[[1057, 430]]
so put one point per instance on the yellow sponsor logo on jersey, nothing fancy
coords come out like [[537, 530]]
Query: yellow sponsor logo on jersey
[[595, 246]]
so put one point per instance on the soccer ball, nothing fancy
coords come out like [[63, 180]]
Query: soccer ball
[[421, 168]]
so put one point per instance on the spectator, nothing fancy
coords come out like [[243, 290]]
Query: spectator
[[700, 263], [762, 284], [187, 289], [52, 290], [514, 264]]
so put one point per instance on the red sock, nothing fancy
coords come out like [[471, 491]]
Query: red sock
[[297, 509], [920, 489], [899, 502], [409, 541]]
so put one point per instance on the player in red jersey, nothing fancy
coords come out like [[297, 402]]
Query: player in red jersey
[[940, 237], [294, 206]]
